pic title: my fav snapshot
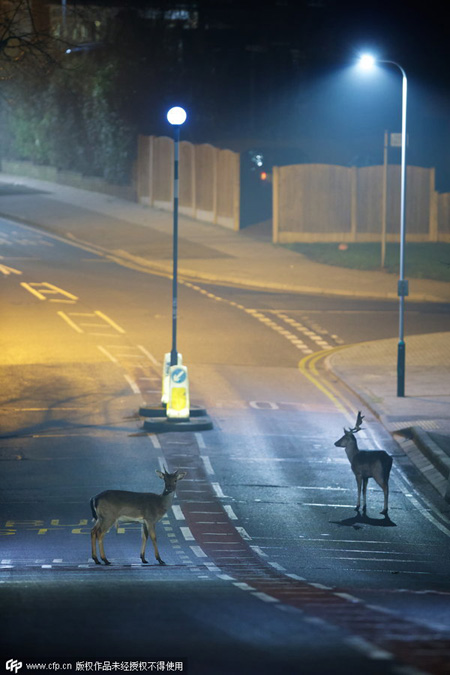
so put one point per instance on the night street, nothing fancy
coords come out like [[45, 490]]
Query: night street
[[269, 566]]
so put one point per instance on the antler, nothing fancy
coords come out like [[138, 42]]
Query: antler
[[359, 420]]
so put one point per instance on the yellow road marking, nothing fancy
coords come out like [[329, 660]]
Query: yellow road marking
[[32, 290], [110, 321], [308, 368], [69, 321], [8, 270], [47, 289]]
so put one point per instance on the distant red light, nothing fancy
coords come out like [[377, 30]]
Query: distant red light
[[263, 175]]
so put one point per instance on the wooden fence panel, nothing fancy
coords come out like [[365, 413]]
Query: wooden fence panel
[[333, 203], [205, 178], [444, 216], [187, 179], [314, 202], [209, 184], [162, 171], [369, 190], [228, 169], [143, 169]]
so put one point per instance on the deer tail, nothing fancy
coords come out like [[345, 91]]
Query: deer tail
[[93, 507]]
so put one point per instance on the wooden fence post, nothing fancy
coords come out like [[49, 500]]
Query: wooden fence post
[[433, 229], [354, 202], [275, 204], [151, 172], [236, 182], [215, 172]]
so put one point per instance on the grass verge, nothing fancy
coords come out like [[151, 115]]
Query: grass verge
[[422, 260]]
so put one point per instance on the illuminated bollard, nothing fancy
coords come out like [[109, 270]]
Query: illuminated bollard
[[165, 377], [178, 403]]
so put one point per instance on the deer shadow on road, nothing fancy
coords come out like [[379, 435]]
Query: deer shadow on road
[[361, 518]]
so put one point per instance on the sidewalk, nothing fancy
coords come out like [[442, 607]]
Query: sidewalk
[[211, 253]]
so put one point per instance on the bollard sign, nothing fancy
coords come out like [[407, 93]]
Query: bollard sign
[[178, 403], [165, 377]]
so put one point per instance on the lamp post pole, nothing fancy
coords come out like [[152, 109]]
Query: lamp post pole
[[368, 61], [176, 116], [402, 282], [174, 353]]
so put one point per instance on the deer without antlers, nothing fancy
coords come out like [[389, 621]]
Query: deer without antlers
[[365, 464], [112, 506]]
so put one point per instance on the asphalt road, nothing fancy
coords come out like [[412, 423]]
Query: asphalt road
[[269, 567]]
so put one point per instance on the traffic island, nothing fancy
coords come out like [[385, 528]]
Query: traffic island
[[157, 421]]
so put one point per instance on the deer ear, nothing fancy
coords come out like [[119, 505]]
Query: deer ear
[[159, 473], [180, 474]]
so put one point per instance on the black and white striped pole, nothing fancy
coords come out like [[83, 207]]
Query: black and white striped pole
[[176, 388], [176, 117]]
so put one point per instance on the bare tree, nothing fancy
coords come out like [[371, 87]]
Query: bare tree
[[26, 41]]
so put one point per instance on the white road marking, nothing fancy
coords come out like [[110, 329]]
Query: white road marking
[[244, 534], [149, 356], [243, 586], [259, 551], [198, 552], [135, 389], [200, 441], [264, 597], [217, 489], [347, 596], [207, 464], [368, 649], [230, 513], [178, 513], [277, 566], [187, 534], [107, 354]]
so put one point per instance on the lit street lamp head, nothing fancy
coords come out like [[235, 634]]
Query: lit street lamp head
[[366, 61], [176, 116]]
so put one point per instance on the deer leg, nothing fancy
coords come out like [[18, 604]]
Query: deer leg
[[94, 533], [358, 483], [144, 541], [364, 488], [384, 485], [386, 499], [100, 538], [101, 527], [152, 533]]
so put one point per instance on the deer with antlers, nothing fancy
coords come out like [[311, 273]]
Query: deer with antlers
[[366, 464], [112, 506]]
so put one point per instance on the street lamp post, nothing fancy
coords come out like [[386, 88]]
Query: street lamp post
[[176, 117], [175, 397], [367, 61]]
